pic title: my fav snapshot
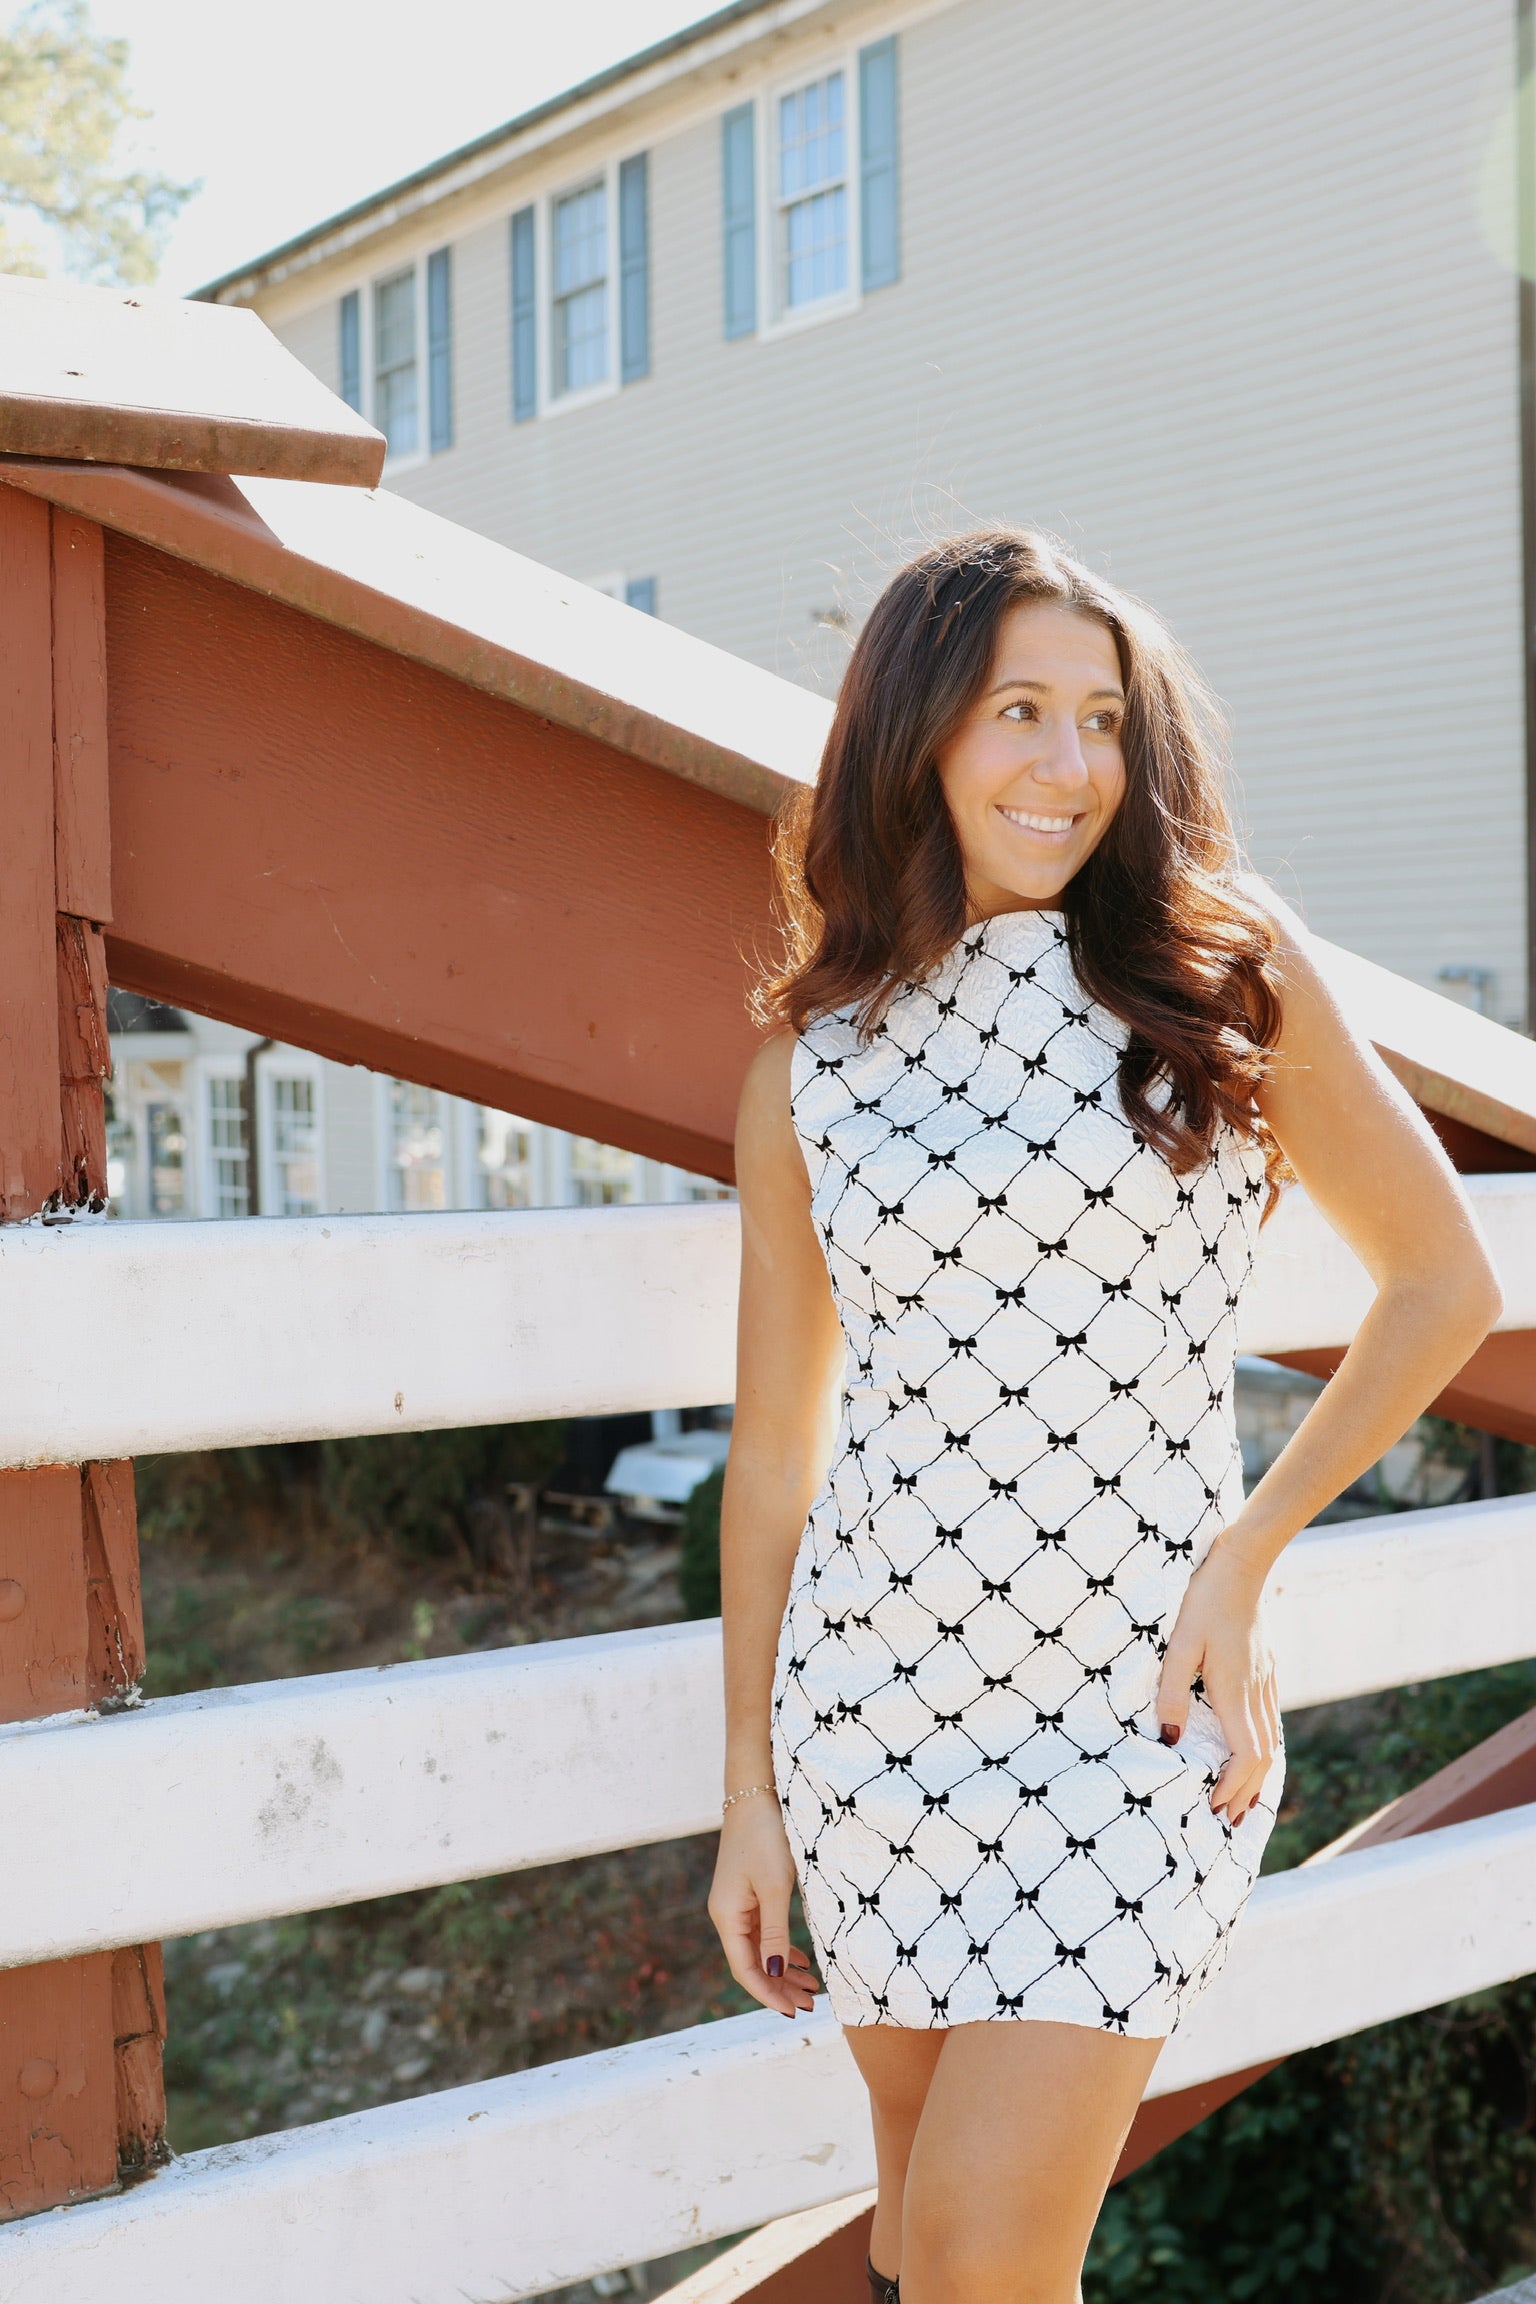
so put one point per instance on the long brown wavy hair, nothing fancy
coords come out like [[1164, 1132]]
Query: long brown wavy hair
[[1160, 931]]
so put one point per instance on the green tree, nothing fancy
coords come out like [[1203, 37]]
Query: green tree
[[68, 200]]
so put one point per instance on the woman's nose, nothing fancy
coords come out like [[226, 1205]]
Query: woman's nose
[[1060, 762]]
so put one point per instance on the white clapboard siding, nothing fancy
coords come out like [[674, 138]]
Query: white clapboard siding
[[202, 1811], [124, 1339], [509, 2187], [116, 1339]]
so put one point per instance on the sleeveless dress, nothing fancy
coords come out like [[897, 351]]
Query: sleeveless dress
[[1036, 1448]]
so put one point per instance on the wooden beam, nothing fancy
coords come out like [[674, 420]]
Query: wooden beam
[[123, 376], [383, 864], [29, 1045], [1495, 1392], [71, 1632]]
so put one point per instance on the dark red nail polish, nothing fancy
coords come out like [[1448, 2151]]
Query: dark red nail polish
[[776, 1964], [1168, 1732]]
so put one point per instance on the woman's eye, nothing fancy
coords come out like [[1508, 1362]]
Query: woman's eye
[[1023, 705], [1104, 721]]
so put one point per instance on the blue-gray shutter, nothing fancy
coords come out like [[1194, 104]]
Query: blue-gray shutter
[[879, 200], [640, 592], [525, 372], [738, 171], [634, 269], [440, 350], [352, 350]]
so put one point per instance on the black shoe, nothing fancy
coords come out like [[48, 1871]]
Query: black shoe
[[881, 2290]]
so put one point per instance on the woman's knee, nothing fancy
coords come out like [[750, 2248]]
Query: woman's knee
[[955, 2258]]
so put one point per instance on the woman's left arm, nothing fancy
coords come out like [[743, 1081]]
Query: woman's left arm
[[1374, 1169]]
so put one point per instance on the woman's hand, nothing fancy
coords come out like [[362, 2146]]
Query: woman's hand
[[1217, 1634], [749, 1905]]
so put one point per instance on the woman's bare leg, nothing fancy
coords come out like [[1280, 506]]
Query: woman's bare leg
[[897, 2066], [1018, 2136]]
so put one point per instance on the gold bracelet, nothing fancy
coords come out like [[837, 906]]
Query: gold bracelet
[[731, 1798]]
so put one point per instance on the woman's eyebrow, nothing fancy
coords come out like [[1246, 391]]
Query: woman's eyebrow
[[1115, 695]]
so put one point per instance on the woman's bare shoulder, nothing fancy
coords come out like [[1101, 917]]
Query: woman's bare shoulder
[[765, 1129]]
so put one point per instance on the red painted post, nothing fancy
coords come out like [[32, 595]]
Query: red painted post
[[80, 2092]]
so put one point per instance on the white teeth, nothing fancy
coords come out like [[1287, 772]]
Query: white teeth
[[1038, 823]]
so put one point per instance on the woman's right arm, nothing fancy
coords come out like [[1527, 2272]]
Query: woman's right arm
[[789, 1371]]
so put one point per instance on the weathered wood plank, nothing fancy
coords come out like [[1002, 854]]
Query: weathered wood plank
[[703, 2132], [115, 1337], [29, 1051], [241, 1804], [42, 1593], [123, 376], [58, 2111], [357, 1324], [82, 836]]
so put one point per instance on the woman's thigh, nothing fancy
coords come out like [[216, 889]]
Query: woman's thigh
[[1020, 2130]]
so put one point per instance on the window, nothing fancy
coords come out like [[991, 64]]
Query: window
[[818, 207], [295, 1164], [418, 1176], [812, 193], [120, 1148], [395, 408], [635, 591], [504, 1160], [229, 1154], [167, 1135], [601, 1175], [579, 265]]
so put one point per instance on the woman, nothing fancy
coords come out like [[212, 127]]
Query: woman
[[998, 1688]]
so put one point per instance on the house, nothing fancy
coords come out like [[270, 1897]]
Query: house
[[1225, 295], [328, 1139]]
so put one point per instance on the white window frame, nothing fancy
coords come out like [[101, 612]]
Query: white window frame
[[775, 317], [365, 285], [547, 401], [384, 1143], [270, 1067], [209, 1069]]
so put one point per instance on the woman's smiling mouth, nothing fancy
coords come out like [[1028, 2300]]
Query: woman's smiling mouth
[[1044, 827]]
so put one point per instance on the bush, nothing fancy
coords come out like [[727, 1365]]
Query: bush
[[698, 1573]]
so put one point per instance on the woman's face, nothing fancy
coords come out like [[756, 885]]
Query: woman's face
[[1035, 772]]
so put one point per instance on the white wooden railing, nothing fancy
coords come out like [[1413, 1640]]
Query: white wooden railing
[[197, 1811]]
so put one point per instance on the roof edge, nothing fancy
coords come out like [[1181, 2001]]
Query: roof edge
[[464, 155]]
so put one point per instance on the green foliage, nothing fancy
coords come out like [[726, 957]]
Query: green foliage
[[698, 1574], [64, 113], [434, 1492], [431, 1493]]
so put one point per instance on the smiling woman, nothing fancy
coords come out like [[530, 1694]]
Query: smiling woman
[[998, 1690]]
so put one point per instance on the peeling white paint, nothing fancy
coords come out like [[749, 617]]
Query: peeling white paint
[[500, 2190], [245, 1803], [115, 1339]]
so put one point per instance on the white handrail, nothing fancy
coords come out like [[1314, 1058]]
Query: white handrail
[[243, 1803], [119, 1339], [512, 2186]]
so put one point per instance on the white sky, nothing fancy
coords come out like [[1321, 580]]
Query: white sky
[[292, 109]]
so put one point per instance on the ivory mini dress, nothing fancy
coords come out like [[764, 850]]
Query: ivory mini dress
[[1036, 1448]]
